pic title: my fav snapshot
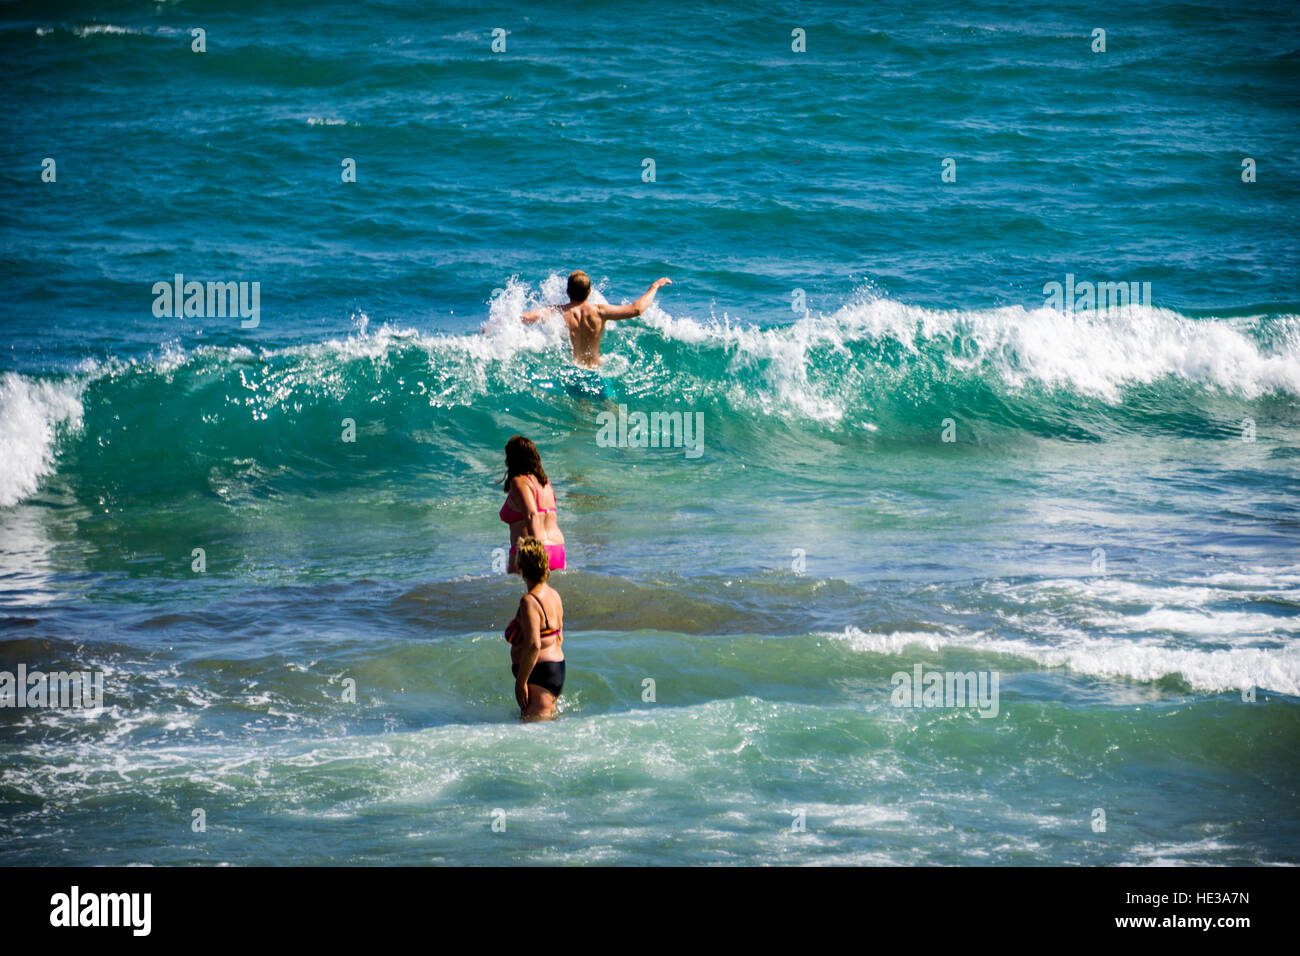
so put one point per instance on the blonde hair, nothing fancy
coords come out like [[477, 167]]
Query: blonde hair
[[579, 286], [534, 563]]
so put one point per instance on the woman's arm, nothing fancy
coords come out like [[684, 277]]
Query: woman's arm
[[531, 647], [532, 517]]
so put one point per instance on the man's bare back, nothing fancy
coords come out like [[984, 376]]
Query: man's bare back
[[586, 320]]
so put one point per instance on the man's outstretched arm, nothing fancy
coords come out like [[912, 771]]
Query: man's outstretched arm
[[609, 312], [536, 315]]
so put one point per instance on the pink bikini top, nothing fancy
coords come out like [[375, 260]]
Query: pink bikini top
[[510, 515]]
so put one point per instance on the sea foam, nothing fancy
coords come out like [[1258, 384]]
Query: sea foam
[[30, 413], [1207, 670]]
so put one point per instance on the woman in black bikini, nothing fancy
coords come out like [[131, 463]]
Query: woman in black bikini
[[536, 637]]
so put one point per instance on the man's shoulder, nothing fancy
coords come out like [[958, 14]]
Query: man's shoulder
[[581, 311]]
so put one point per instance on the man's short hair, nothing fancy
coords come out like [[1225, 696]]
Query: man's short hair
[[579, 286]]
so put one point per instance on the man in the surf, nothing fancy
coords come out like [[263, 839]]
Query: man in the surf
[[586, 320]]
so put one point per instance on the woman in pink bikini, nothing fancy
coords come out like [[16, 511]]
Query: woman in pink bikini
[[530, 503]]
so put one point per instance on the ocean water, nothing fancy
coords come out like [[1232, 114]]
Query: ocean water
[[1113, 530]]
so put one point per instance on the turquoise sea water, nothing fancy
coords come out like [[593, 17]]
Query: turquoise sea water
[[1113, 530]]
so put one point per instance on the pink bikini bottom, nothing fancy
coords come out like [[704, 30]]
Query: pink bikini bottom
[[554, 555]]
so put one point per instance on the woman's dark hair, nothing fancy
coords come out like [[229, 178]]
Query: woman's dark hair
[[522, 458]]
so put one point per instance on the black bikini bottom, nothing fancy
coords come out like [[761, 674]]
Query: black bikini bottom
[[548, 675]]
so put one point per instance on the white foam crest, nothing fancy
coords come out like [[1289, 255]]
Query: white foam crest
[[1181, 854], [1213, 671], [505, 334], [1114, 590], [1223, 624], [110, 28], [1184, 611], [779, 352], [1264, 579], [1179, 607], [1094, 352], [501, 338], [373, 345], [1097, 353], [29, 414]]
